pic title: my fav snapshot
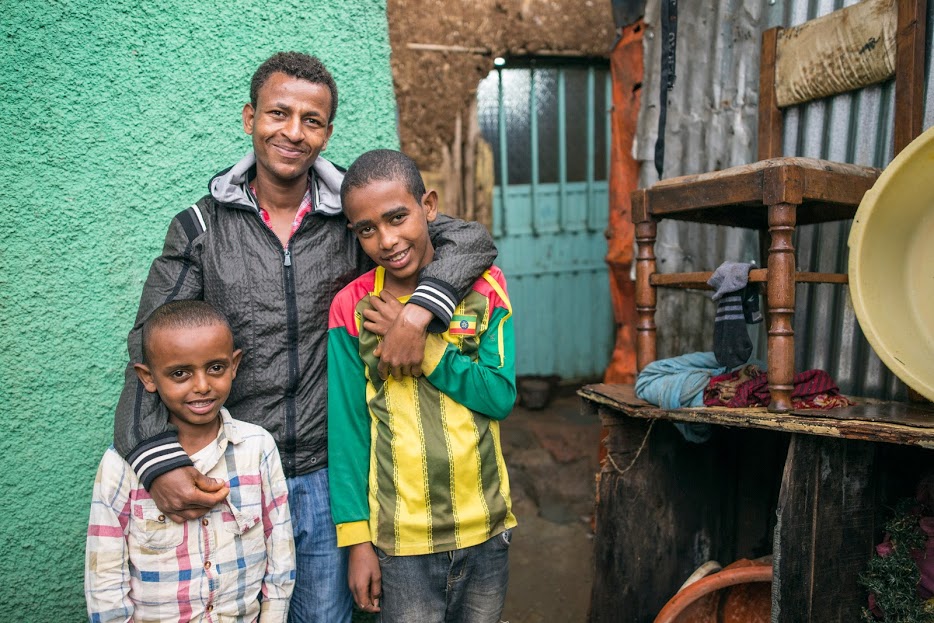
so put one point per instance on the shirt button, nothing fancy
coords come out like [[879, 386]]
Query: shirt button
[[207, 565], [161, 517], [210, 607], [204, 522]]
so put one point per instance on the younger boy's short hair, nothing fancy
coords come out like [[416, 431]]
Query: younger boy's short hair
[[187, 314], [384, 165], [297, 65]]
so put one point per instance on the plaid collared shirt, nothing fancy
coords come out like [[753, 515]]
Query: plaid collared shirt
[[306, 206], [140, 566]]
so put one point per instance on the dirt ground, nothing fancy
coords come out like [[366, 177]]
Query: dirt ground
[[551, 455]]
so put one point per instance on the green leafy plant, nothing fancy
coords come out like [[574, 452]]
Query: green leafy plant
[[893, 578]]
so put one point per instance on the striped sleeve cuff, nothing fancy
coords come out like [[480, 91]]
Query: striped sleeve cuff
[[437, 297], [353, 532], [156, 456]]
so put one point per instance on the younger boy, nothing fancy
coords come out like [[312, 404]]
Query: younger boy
[[416, 467], [236, 563]]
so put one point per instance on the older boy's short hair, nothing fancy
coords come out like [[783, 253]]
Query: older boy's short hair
[[384, 165], [188, 314], [297, 65]]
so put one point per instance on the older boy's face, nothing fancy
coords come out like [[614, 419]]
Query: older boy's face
[[392, 227], [192, 368]]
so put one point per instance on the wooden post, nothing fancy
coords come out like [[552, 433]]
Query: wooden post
[[646, 232], [826, 530], [909, 71], [781, 305], [770, 117]]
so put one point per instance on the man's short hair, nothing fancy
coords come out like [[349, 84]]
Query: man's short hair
[[384, 165], [297, 65], [188, 314]]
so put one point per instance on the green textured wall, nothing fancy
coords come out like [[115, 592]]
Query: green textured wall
[[115, 114]]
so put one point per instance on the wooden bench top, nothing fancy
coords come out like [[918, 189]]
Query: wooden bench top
[[870, 419]]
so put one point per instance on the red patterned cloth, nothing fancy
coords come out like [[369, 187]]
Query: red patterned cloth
[[749, 387], [306, 206]]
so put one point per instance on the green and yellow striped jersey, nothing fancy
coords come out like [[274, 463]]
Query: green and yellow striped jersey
[[416, 465]]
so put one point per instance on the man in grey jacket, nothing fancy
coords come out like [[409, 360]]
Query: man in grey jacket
[[269, 247]]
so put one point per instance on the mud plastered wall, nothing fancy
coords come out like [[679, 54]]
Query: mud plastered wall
[[434, 87], [116, 115]]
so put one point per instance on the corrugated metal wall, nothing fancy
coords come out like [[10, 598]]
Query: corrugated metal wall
[[712, 125]]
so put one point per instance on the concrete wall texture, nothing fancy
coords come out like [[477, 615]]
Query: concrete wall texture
[[115, 116]]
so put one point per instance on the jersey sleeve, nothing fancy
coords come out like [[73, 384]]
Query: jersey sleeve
[[487, 385], [348, 426]]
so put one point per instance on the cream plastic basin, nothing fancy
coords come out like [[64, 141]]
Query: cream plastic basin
[[892, 265]]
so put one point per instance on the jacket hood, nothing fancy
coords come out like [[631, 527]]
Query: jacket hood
[[230, 186]]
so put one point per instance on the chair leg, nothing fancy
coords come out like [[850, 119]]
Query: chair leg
[[781, 305], [645, 293]]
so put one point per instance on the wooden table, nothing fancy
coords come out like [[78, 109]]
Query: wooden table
[[813, 488]]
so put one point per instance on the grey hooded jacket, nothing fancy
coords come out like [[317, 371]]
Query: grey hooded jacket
[[277, 302]]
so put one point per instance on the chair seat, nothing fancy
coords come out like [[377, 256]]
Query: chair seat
[[793, 161], [739, 196]]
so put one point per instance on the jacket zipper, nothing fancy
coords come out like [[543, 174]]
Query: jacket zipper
[[291, 317], [291, 330], [291, 324]]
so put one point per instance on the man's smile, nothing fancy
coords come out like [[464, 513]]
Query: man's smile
[[288, 151]]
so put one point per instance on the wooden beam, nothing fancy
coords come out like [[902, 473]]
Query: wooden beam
[[770, 117], [698, 280], [909, 71], [870, 420], [437, 47], [460, 49]]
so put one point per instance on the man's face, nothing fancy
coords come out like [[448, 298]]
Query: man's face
[[192, 368], [289, 126], [392, 228]]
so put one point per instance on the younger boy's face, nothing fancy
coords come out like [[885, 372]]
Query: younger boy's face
[[192, 368], [392, 227]]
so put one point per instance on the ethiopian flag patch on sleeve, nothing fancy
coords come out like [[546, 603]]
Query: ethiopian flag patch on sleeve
[[463, 325]]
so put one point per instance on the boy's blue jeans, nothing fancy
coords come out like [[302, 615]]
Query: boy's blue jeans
[[321, 592], [462, 586]]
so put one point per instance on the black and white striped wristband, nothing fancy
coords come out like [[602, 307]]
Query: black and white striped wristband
[[437, 297], [156, 456]]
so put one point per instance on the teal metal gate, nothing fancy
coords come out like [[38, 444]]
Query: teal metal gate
[[548, 124]]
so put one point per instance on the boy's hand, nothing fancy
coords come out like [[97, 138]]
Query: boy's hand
[[403, 346], [364, 577], [185, 493], [385, 309]]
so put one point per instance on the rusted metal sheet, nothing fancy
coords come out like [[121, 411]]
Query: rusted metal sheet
[[712, 120]]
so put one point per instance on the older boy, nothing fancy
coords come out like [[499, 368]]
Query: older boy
[[269, 247], [416, 465], [237, 563]]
